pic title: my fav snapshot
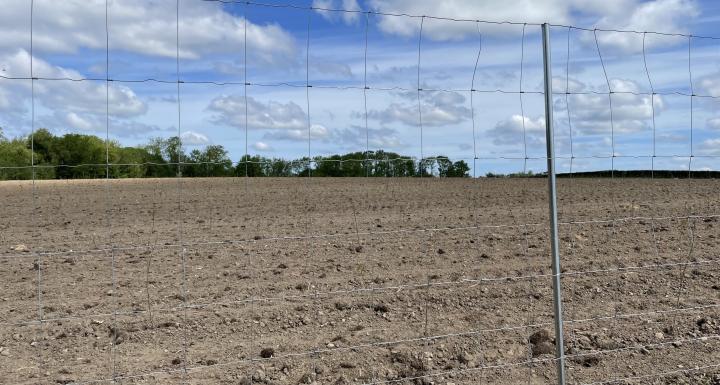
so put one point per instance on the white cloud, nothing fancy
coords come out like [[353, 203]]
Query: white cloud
[[710, 85], [262, 146], [193, 138], [63, 122], [271, 115], [140, 26], [76, 121], [83, 96], [713, 123], [531, 11], [510, 131], [283, 121], [377, 138], [74, 106], [317, 132], [347, 17], [658, 15], [710, 147], [438, 108], [590, 113]]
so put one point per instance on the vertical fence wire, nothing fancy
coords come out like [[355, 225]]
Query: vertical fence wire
[[682, 288], [115, 333], [245, 94], [421, 166], [522, 228], [572, 250], [374, 370], [34, 206], [182, 249], [654, 204], [310, 247], [254, 346], [365, 88], [613, 230], [472, 101]]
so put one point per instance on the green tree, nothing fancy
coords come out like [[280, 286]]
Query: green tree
[[252, 166], [15, 160], [460, 169]]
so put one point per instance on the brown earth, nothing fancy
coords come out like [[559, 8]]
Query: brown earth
[[357, 281]]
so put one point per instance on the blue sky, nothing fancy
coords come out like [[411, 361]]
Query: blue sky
[[70, 41]]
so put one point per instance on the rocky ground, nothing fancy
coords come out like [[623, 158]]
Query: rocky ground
[[357, 281]]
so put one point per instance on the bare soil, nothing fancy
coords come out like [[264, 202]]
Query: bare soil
[[357, 281]]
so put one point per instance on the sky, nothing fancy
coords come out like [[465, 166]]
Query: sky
[[364, 77]]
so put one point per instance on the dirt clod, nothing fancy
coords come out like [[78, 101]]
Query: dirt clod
[[590, 361], [541, 343], [267, 353], [117, 335], [307, 378], [544, 347], [540, 336], [342, 306]]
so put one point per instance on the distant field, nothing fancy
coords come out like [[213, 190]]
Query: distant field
[[356, 281]]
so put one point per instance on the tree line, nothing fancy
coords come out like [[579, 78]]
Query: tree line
[[79, 156]]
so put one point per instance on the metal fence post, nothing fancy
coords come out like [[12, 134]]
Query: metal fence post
[[552, 198]]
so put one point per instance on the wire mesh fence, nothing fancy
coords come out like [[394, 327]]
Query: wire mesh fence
[[381, 278]]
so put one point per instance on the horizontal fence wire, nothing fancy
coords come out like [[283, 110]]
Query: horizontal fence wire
[[381, 13], [316, 352], [367, 88], [368, 160], [398, 288], [353, 235]]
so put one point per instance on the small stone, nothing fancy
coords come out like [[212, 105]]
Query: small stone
[[659, 335], [21, 248], [4, 351]]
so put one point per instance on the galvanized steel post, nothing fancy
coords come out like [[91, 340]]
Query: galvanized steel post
[[552, 198]]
